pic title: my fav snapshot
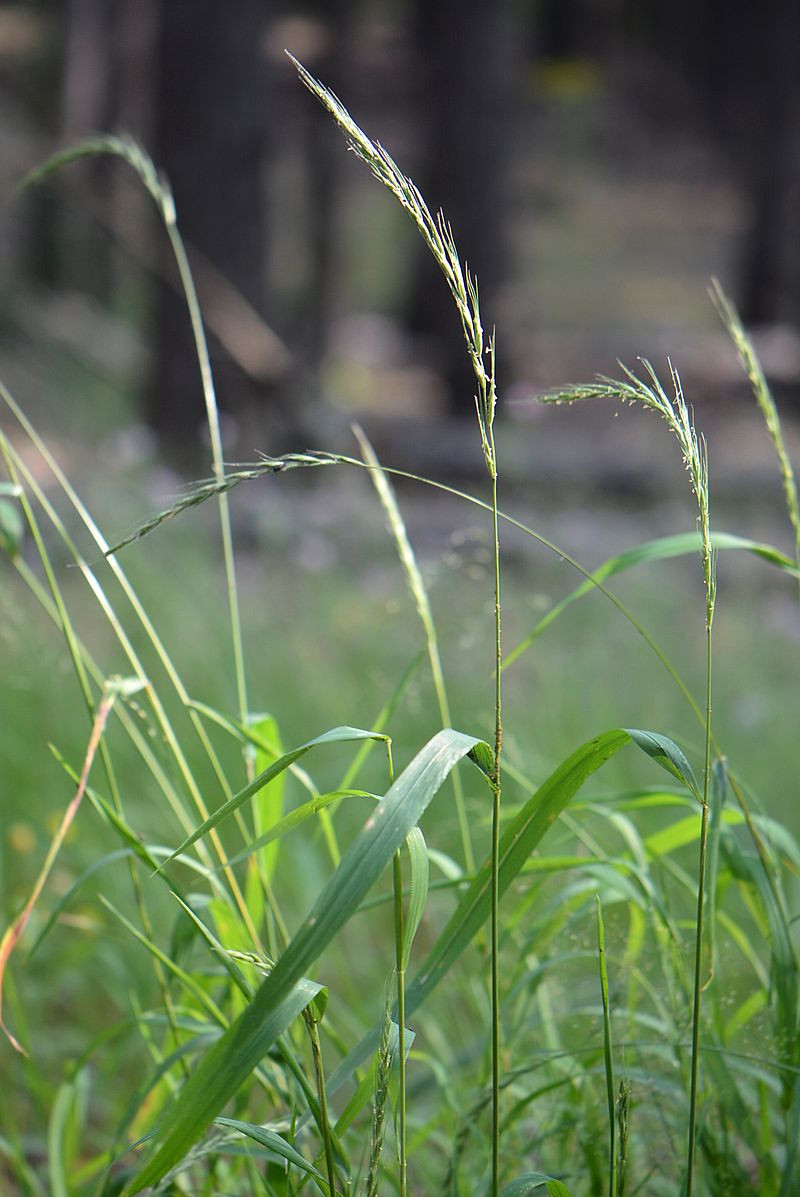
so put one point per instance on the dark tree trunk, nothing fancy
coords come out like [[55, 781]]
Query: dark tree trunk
[[466, 68], [87, 107], [746, 66], [210, 139], [770, 162]]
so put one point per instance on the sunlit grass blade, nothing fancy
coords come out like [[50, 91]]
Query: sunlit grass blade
[[231, 1060]]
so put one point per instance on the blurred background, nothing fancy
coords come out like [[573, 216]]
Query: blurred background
[[599, 161]]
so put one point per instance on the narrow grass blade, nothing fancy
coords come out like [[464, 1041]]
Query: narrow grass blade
[[297, 817], [14, 933], [275, 1143], [231, 1060], [521, 837], [66, 1130], [418, 890], [268, 803], [608, 1055], [419, 594], [682, 545], [336, 735]]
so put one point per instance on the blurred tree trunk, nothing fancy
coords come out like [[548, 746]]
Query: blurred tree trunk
[[467, 67], [770, 163], [210, 132], [747, 68], [87, 105]]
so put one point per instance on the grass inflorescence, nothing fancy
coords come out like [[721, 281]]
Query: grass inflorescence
[[250, 1047]]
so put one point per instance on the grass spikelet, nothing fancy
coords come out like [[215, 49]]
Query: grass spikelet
[[379, 1103], [623, 1123], [648, 392], [764, 398], [437, 234], [202, 491]]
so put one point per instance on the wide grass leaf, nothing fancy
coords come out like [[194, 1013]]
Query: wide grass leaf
[[249, 1038], [529, 1182], [519, 840], [524, 834]]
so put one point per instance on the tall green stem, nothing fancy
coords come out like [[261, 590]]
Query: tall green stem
[[401, 1018], [316, 1051], [496, 791], [400, 969], [698, 950]]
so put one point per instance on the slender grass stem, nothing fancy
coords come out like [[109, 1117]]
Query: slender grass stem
[[698, 950], [608, 1055], [422, 603], [322, 1097], [401, 1017], [400, 969], [496, 803]]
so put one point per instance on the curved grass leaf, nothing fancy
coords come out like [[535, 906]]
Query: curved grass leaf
[[420, 882], [298, 816], [685, 544], [521, 837], [275, 1143], [337, 735], [244, 1044], [529, 1182]]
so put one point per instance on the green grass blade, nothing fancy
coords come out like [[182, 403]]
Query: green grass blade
[[275, 1143], [232, 1059], [336, 735], [682, 545], [298, 816], [524, 834], [418, 895], [419, 594], [520, 838], [608, 1056], [529, 1182]]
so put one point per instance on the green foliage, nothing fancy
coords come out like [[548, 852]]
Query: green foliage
[[233, 1034]]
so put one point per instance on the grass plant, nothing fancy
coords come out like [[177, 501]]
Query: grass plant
[[220, 1061]]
